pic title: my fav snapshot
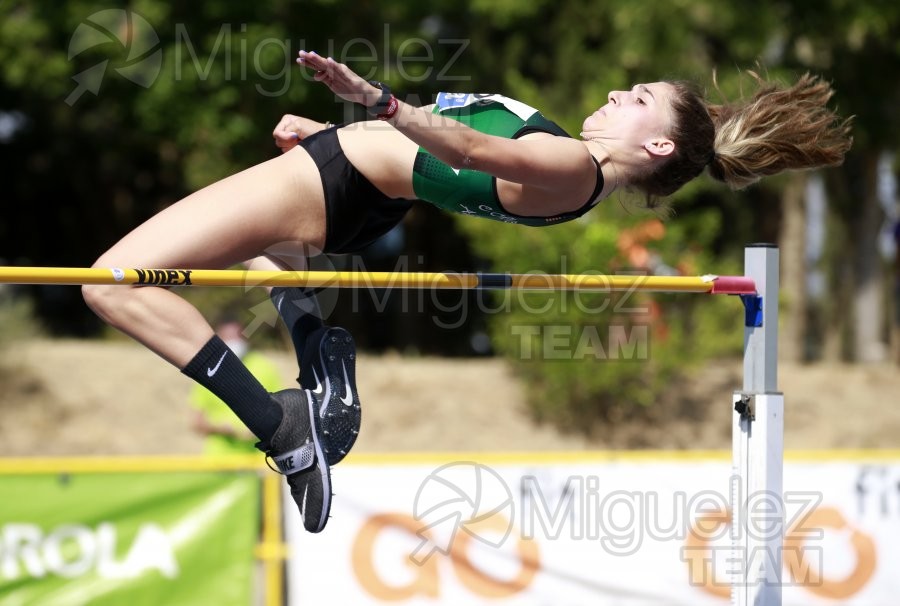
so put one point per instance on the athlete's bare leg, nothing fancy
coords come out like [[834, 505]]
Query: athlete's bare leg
[[280, 258], [278, 203]]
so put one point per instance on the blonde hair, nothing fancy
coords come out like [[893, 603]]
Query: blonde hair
[[778, 128]]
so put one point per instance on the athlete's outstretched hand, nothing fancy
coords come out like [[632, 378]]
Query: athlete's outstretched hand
[[342, 81], [291, 129]]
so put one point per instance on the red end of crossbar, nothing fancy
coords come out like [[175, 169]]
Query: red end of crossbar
[[733, 285]]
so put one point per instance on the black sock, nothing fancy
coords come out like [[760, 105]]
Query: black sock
[[299, 311], [219, 370]]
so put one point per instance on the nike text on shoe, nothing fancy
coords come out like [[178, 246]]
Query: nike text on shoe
[[298, 455], [328, 372]]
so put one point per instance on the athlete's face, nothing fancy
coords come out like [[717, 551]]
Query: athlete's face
[[639, 116]]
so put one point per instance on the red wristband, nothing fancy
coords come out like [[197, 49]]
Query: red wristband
[[392, 107]]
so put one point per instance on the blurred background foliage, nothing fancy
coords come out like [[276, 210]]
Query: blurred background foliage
[[110, 111]]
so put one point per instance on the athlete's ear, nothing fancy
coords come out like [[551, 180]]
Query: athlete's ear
[[660, 146]]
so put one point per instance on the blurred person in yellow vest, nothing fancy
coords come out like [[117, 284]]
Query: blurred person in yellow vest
[[224, 433]]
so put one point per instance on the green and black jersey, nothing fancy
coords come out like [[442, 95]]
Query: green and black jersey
[[472, 192]]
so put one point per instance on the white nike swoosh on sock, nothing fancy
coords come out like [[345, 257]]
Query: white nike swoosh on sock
[[211, 371], [348, 398]]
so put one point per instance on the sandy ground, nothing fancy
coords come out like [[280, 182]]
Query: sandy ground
[[105, 398]]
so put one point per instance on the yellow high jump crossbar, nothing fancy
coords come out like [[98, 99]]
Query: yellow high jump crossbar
[[730, 285]]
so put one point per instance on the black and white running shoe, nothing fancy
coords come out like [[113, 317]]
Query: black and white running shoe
[[298, 455], [328, 372]]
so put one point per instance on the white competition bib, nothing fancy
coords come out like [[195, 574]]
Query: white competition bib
[[453, 100]]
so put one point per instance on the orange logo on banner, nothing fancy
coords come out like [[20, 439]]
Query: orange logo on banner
[[795, 558], [699, 555], [426, 581], [480, 583], [700, 562]]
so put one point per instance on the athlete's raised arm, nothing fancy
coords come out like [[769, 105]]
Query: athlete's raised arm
[[553, 163]]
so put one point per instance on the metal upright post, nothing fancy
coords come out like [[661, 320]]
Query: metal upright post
[[758, 443]]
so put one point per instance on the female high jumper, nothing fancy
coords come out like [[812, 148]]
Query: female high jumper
[[337, 189]]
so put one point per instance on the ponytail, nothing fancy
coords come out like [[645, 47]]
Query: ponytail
[[777, 129]]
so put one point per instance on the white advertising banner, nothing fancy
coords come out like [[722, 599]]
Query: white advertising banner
[[560, 530]]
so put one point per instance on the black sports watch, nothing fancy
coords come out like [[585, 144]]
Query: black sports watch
[[384, 101]]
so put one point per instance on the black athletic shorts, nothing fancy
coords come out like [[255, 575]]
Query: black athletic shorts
[[356, 212]]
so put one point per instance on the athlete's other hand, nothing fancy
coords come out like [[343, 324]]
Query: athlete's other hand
[[342, 80], [291, 129]]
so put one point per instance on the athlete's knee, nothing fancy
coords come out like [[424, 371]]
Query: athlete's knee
[[102, 299]]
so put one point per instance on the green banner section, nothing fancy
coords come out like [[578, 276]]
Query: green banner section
[[136, 539]]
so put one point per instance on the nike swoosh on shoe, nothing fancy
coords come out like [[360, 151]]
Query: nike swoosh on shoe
[[326, 399], [211, 371], [279, 299], [348, 398], [318, 389], [303, 503]]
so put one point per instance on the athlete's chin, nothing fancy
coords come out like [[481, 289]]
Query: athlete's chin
[[591, 123]]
